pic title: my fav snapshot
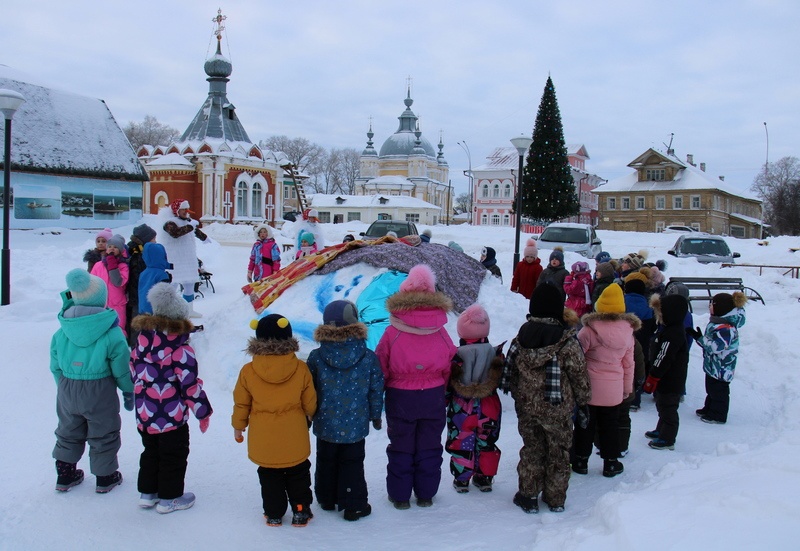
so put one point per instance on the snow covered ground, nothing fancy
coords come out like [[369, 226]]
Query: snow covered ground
[[731, 486]]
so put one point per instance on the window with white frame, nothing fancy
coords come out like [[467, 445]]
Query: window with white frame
[[661, 202], [484, 220], [353, 216], [695, 201], [677, 202], [241, 198], [257, 203], [626, 203], [611, 203], [660, 226], [506, 220], [737, 231], [640, 203], [695, 226], [507, 191], [495, 220], [325, 217], [485, 190], [496, 190], [412, 217], [656, 174]]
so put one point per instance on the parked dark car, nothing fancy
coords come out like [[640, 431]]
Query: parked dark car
[[379, 228], [292, 216], [705, 248]]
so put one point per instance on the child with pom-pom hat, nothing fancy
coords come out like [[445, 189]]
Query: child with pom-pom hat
[[527, 272]]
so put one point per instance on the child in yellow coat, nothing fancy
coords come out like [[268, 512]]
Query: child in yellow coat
[[275, 397]]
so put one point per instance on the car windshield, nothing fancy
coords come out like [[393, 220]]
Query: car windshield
[[565, 235], [379, 230], [711, 247]]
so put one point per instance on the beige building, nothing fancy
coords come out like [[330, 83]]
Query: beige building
[[664, 191], [407, 165]]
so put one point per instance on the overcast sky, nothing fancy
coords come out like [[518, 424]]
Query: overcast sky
[[627, 73]]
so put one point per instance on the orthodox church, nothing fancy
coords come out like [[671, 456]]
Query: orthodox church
[[214, 164], [407, 165]]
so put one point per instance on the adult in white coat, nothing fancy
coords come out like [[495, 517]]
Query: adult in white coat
[[178, 238]]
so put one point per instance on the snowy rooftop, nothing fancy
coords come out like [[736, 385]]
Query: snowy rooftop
[[320, 200], [64, 133]]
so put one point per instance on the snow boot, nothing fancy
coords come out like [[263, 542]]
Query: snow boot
[[177, 504], [424, 502], [461, 486], [528, 504], [660, 445], [353, 514], [68, 476], [711, 421], [483, 483], [108, 482], [612, 467], [277, 521], [580, 465], [400, 505], [652, 434], [301, 514], [700, 412], [148, 501]]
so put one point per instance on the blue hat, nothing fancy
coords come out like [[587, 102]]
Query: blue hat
[[340, 313], [86, 289], [602, 256]]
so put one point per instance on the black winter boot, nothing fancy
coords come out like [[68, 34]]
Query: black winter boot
[[108, 482], [580, 465], [528, 504], [483, 483], [612, 467], [68, 476]]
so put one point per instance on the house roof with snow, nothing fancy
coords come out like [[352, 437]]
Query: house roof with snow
[[63, 133], [320, 200], [687, 177]]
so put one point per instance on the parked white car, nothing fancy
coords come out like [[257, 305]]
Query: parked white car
[[576, 238], [679, 229]]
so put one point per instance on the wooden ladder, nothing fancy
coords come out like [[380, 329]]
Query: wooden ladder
[[298, 186]]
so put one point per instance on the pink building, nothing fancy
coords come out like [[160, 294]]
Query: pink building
[[494, 187]]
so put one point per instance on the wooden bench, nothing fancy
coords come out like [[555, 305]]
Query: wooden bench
[[704, 288]]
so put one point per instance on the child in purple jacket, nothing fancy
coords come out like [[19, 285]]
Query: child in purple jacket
[[415, 354], [166, 386]]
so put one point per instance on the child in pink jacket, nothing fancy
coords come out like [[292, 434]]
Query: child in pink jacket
[[607, 341], [113, 270], [579, 286], [415, 354]]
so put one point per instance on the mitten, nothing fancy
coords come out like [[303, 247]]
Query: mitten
[[694, 333], [582, 416], [238, 435], [127, 400], [112, 262], [650, 384], [376, 424], [200, 235], [204, 423]]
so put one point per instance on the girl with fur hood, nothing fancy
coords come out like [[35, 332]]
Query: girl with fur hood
[[93, 256], [415, 353], [265, 255], [473, 406], [578, 286], [669, 358], [720, 345], [166, 387], [275, 397], [545, 393], [349, 383], [608, 344]]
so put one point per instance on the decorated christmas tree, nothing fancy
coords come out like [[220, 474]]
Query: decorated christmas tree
[[548, 190]]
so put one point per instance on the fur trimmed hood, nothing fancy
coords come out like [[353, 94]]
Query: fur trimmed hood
[[331, 333], [477, 390], [589, 319], [169, 326], [271, 347], [414, 300]]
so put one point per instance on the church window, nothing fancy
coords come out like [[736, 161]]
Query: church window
[[257, 202], [241, 198]]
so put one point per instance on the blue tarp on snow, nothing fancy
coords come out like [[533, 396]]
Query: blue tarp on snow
[[371, 304]]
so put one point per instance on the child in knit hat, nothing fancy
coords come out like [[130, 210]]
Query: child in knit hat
[[275, 397], [166, 387], [608, 345], [113, 270], [632, 262], [556, 272], [489, 261], [95, 255], [546, 374], [349, 383], [720, 344], [308, 244], [265, 255], [526, 273], [473, 406], [89, 360], [578, 286], [415, 352]]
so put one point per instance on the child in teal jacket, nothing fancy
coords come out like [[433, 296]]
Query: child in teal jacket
[[89, 360]]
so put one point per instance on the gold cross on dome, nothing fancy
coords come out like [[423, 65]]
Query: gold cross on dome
[[220, 26]]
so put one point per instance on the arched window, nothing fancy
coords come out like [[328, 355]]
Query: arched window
[[507, 191], [506, 220], [257, 203], [495, 220], [496, 190], [485, 190], [484, 219], [241, 198]]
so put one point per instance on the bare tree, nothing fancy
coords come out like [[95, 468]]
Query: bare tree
[[463, 201], [779, 186], [349, 166], [150, 132], [301, 153]]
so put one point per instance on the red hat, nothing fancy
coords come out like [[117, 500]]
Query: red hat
[[179, 204]]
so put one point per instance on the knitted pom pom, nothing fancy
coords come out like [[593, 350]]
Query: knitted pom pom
[[420, 279], [253, 324], [473, 323]]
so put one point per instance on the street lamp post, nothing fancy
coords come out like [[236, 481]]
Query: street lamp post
[[522, 144], [465, 147], [9, 103]]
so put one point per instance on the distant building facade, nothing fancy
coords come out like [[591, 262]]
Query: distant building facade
[[339, 209], [71, 164], [495, 184], [664, 191], [407, 166]]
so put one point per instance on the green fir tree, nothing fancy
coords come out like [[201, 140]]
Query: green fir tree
[[548, 190]]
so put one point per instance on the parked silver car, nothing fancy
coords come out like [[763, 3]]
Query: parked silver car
[[679, 229], [576, 238], [705, 248]]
